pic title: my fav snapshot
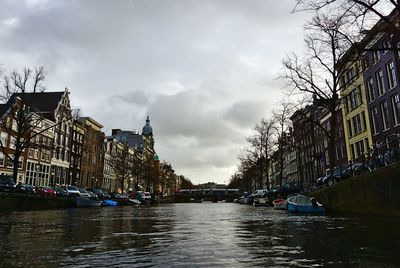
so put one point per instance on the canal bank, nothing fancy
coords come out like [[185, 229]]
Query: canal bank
[[376, 192], [23, 202]]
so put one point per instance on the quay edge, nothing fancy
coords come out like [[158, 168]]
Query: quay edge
[[377, 192], [25, 202]]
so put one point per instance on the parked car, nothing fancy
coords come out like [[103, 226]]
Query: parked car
[[72, 190], [100, 194], [61, 191], [7, 183], [46, 191], [25, 188], [92, 195], [83, 192]]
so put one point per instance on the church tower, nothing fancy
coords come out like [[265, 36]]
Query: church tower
[[147, 129], [147, 132]]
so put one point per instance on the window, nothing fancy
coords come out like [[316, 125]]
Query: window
[[4, 139], [364, 122], [350, 75], [357, 124], [398, 49], [20, 162], [366, 62], [386, 44], [391, 75], [396, 109], [14, 125], [385, 115], [379, 82], [13, 141], [1, 159], [355, 96], [374, 120], [10, 163], [376, 56], [349, 128], [370, 90], [359, 148]]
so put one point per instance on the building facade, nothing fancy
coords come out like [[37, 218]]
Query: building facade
[[354, 110], [62, 118], [93, 154], [381, 75], [76, 148]]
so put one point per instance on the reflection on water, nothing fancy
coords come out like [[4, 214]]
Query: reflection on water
[[195, 235]]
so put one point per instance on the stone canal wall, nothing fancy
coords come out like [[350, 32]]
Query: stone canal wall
[[377, 192], [16, 201]]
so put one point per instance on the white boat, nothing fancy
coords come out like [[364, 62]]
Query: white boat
[[87, 202], [279, 204], [134, 201], [260, 201]]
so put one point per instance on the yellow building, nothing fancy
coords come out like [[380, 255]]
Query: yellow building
[[356, 123]]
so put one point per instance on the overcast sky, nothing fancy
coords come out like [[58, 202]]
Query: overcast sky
[[203, 70]]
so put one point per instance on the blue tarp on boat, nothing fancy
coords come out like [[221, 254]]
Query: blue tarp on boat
[[108, 202]]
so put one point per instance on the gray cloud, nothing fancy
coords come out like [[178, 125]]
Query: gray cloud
[[207, 66], [240, 113], [137, 97]]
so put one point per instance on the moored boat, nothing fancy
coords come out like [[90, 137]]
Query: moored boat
[[109, 202], [260, 201], [134, 201], [87, 202], [279, 203], [304, 204]]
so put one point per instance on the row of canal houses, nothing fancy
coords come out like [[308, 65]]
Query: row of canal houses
[[368, 116], [73, 149]]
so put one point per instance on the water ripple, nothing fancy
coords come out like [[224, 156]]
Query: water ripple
[[195, 235]]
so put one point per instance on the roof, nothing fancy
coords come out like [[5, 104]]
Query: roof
[[3, 108], [371, 36], [90, 121], [44, 102]]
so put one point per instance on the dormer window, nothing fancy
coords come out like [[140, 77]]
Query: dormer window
[[386, 45], [376, 56]]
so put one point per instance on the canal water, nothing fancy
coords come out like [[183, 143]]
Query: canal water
[[195, 235]]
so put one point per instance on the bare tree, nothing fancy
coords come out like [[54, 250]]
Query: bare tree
[[319, 72], [138, 165], [150, 172], [363, 16], [282, 123], [21, 120], [260, 149], [167, 176], [122, 163], [27, 81]]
